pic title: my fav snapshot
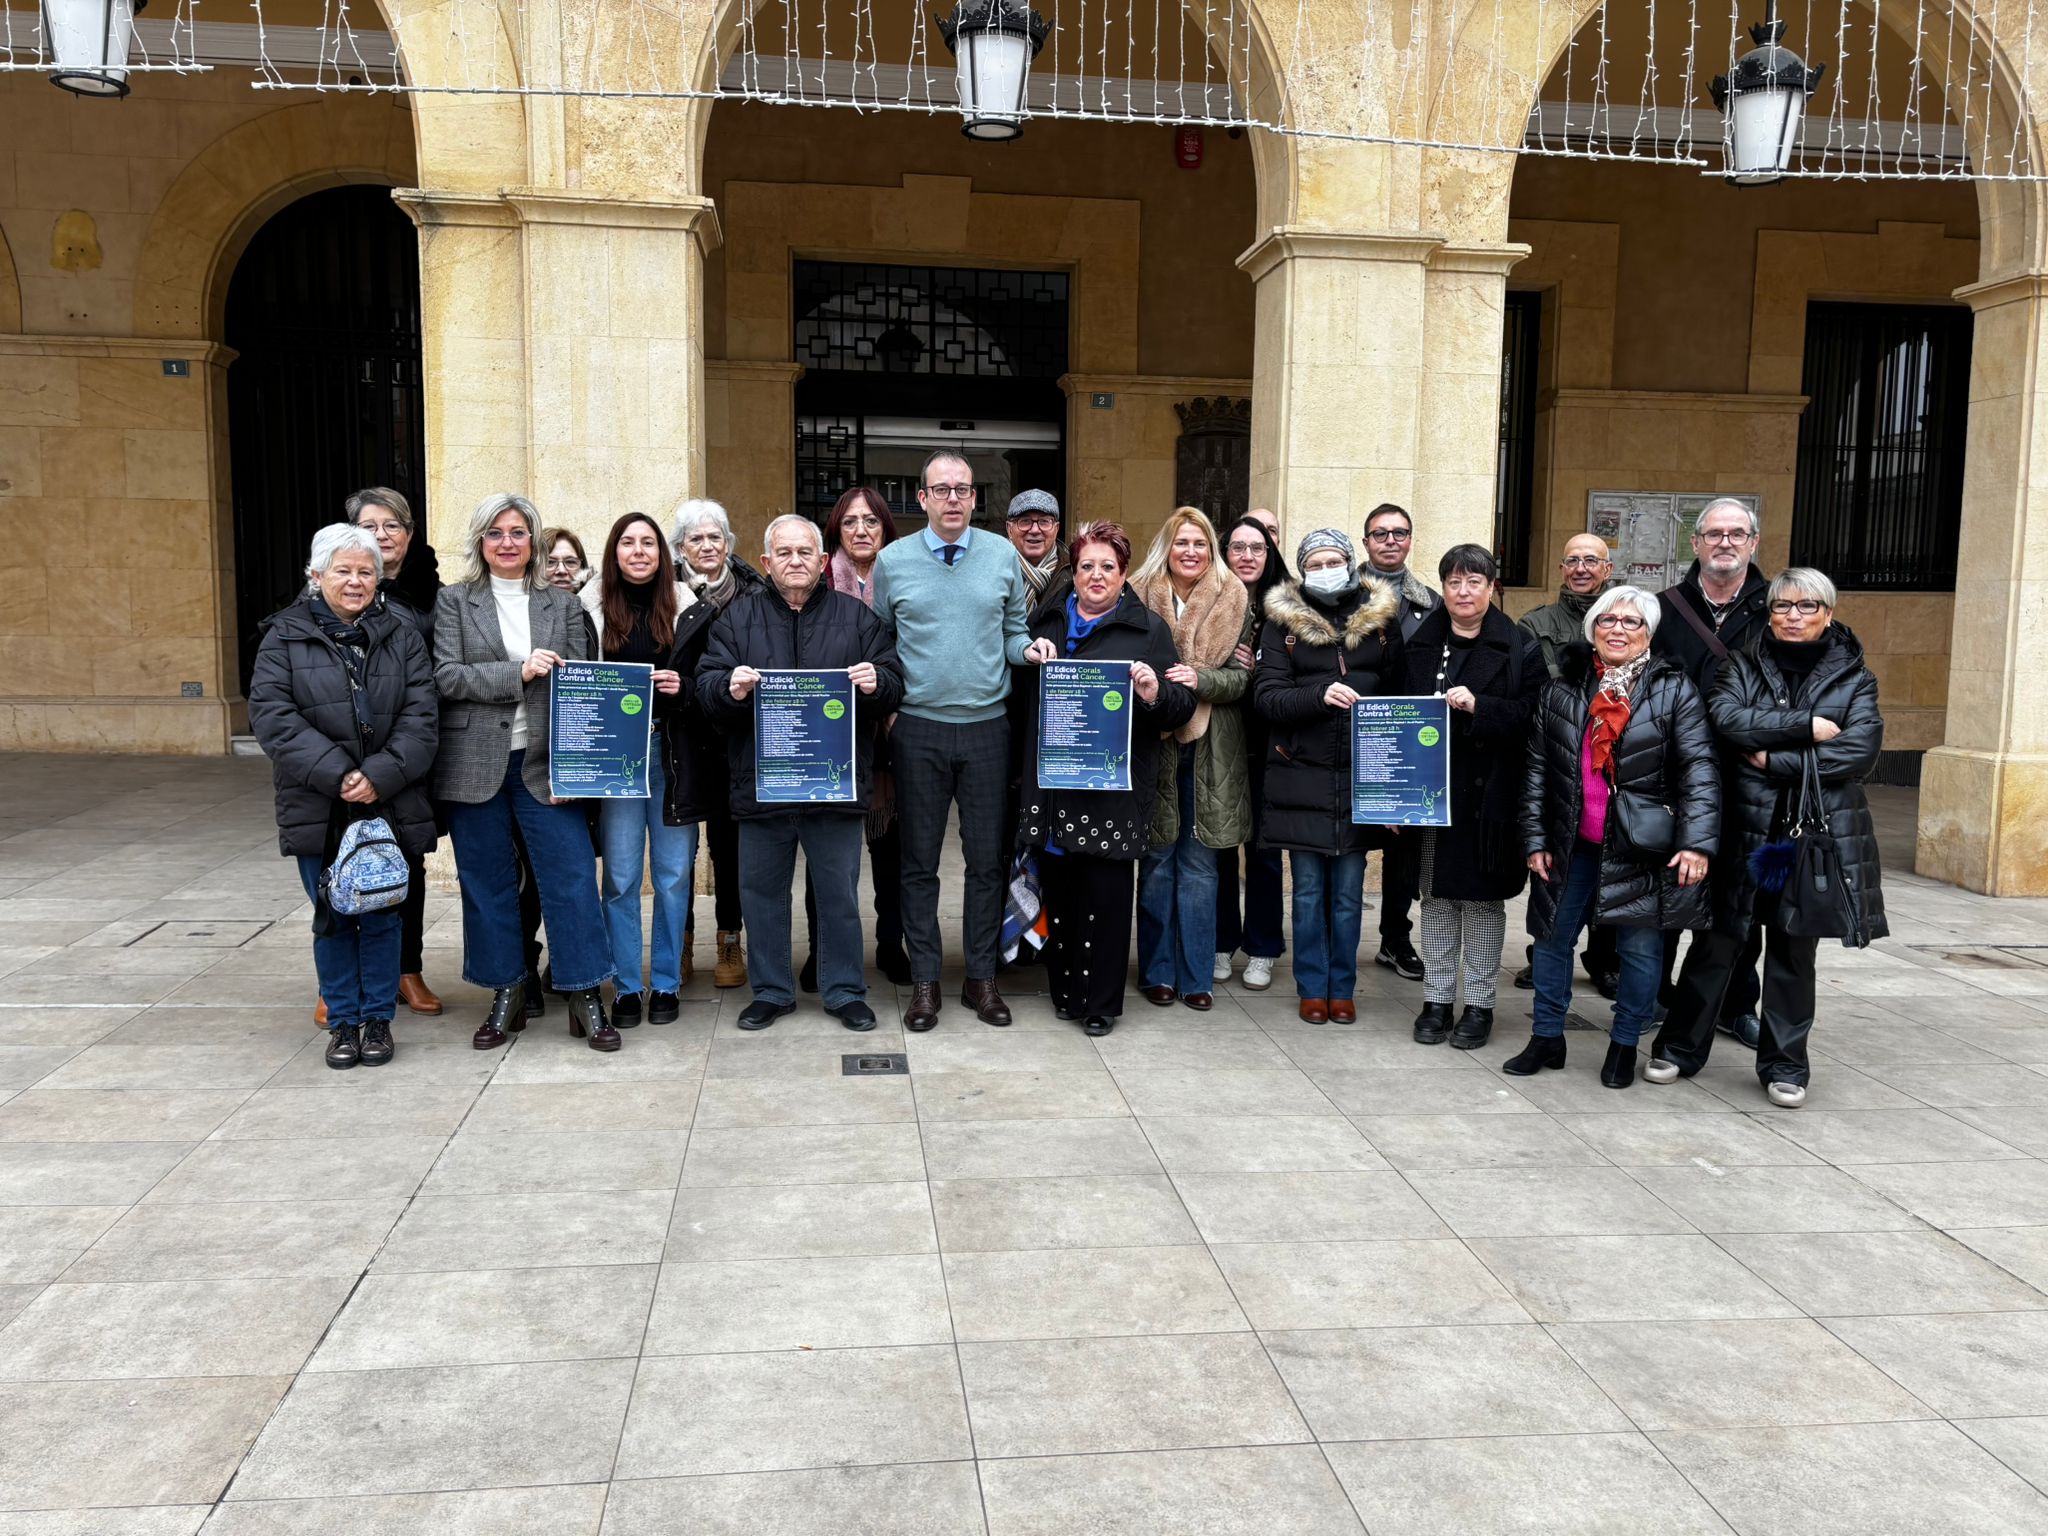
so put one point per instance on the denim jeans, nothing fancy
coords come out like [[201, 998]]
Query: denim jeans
[[1640, 950], [1177, 901], [357, 962], [627, 830], [1329, 905], [831, 842], [565, 869]]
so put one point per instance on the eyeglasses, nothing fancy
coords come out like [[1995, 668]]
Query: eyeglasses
[[506, 536], [1722, 536], [1389, 536], [1583, 562], [1805, 607], [949, 492], [1236, 548], [1627, 623], [391, 525], [860, 520], [1036, 520], [567, 563]]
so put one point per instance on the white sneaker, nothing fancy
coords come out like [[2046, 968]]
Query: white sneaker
[[1786, 1095], [1222, 970], [1258, 973], [1656, 1071]]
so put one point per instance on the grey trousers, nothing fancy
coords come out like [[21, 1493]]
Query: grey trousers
[[1457, 935]]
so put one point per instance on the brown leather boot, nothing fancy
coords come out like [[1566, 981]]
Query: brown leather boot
[[986, 1001], [923, 1012], [731, 970], [320, 1013], [414, 992]]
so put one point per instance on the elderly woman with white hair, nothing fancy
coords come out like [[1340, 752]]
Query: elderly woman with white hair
[[342, 702], [1621, 809], [498, 633], [1796, 712], [701, 535]]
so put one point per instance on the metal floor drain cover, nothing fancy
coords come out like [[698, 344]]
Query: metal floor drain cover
[[897, 1065]]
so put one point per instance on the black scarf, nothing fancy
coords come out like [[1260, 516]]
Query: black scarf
[[353, 642]]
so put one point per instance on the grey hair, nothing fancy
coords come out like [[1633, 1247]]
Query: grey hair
[[768, 535], [1646, 606], [334, 539], [1727, 504], [694, 511], [487, 512], [1802, 578], [379, 496]]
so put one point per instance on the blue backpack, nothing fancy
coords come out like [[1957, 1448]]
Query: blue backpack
[[368, 873]]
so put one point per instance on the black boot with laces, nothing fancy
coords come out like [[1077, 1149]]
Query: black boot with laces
[[376, 1048], [343, 1048]]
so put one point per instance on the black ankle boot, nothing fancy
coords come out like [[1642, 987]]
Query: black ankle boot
[[1541, 1051], [1433, 1024], [586, 1017], [1619, 1069], [1475, 1028], [508, 1013]]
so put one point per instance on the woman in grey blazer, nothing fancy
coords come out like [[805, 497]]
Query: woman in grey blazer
[[498, 633]]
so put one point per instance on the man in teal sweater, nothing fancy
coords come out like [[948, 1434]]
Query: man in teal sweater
[[955, 600]]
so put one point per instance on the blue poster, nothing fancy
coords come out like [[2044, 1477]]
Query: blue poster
[[1401, 762], [600, 724], [803, 738], [1084, 725]]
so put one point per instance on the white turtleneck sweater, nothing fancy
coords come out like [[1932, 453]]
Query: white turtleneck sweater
[[515, 627]]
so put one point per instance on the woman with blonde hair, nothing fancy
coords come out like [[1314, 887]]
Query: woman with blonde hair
[[1204, 800], [498, 634]]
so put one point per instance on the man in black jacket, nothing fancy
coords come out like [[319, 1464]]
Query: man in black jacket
[[1716, 609], [799, 623]]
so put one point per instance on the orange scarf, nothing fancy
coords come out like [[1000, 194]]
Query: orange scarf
[[1609, 709]]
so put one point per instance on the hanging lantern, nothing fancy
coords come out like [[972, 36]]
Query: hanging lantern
[[993, 43], [1763, 99], [85, 44]]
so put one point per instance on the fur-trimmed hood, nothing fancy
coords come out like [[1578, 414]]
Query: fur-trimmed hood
[[1378, 613], [1205, 634]]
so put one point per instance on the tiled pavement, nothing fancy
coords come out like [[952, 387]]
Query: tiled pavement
[[1210, 1274]]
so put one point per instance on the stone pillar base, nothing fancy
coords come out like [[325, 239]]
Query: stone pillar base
[[1984, 821]]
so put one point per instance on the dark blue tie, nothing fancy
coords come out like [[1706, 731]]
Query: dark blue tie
[[951, 552]]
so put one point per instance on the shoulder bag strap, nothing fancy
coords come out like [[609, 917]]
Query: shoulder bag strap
[[1699, 626]]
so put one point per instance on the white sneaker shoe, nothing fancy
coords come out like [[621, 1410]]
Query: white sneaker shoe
[[1786, 1095], [1223, 958], [1656, 1071], [1258, 973]]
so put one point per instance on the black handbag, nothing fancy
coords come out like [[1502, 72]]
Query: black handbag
[[1646, 829], [1818, 901]]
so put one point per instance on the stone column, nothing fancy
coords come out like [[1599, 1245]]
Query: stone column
[[1377, 378], [1984, 791]]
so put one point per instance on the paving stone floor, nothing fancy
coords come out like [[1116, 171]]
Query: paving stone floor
[[1208, 1275]]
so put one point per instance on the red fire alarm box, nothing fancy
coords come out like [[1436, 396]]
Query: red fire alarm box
[[1187, 148]]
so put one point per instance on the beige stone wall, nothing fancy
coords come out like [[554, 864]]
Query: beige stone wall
[[123, 221]]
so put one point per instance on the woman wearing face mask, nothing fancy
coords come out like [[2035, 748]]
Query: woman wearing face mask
[[1472, 655], [1621, 806], [1203, 803], [1330, 639], [634, 605], [1260, 930]]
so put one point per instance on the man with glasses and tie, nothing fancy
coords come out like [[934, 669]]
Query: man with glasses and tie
[[1717, 608], [1389, 540], [956, 602]]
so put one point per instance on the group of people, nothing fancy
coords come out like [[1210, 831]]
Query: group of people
[[1621, 753]]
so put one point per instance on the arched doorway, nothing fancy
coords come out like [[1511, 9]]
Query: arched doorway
[[324, 396]]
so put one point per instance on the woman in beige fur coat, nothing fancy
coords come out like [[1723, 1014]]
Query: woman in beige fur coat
[[1204, 788]]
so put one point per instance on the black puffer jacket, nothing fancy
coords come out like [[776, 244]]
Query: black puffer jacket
[[1667, 752], [1303, 649], [1478, 856], [410, 594], [1755, 709], [831, 631], [1110, 824], [300, 713], [692, 742]]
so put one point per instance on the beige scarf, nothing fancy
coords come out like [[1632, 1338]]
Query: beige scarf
[[1205, 634]]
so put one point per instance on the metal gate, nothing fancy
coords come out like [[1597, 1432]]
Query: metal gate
[[324, 397]]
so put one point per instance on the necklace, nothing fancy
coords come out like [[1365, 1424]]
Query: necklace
[[1443, 667]]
